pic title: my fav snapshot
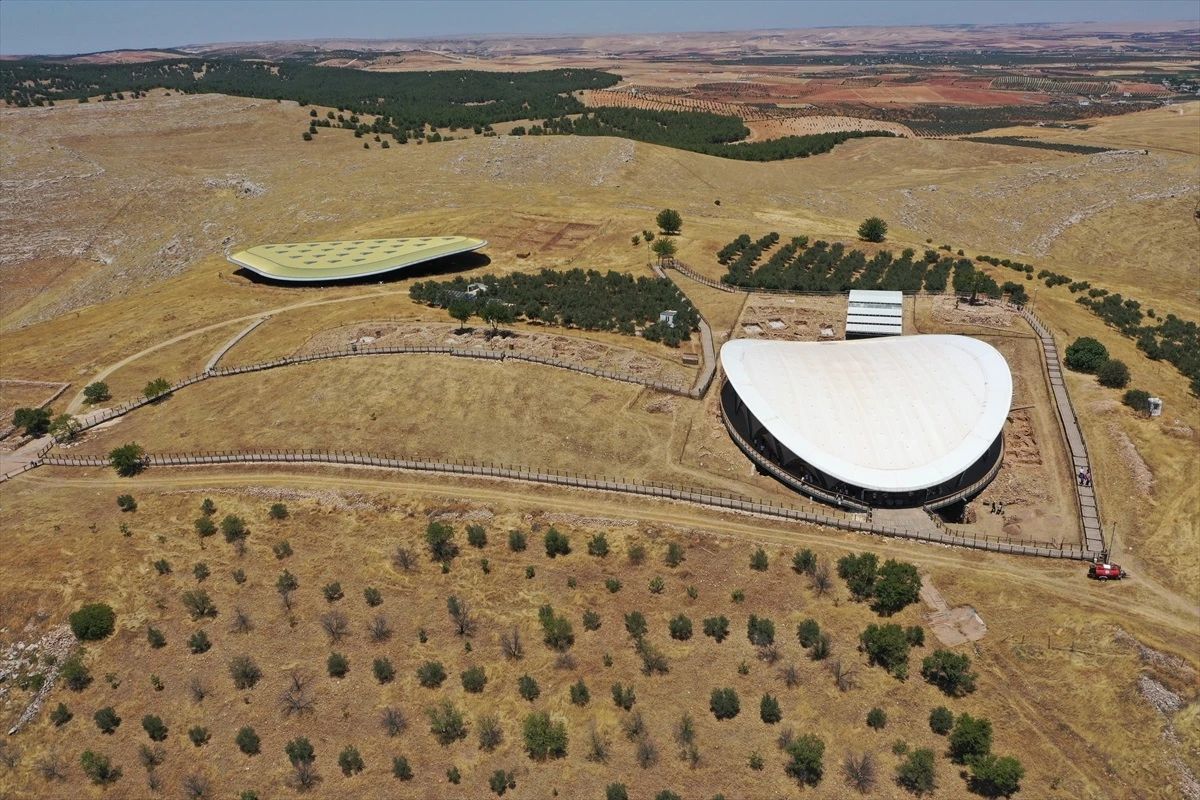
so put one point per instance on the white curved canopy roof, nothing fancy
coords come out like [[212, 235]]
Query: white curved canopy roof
[[894, 415]]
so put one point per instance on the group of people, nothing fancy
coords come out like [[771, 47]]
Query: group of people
[[1085, 477], [998, 507]]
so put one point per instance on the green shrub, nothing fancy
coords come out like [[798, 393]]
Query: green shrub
[[557, 544], [247, 741], [637, 554], [877, 718], [447, 723], [383, 670], [808, 632], [887, 646], [971, 738], [580, 694], [198, 604], [440, 538], [350, 761], [1086, 355], [201, 572], [915, 635], [760, 631], [244, 672], [804, 562], [724, 703], [99, 768], [1136, 399], [93, 622], [162, 567], [1114, 374], [675, 554], [717, 628], [126, 502], [199, 643], [759, 560], [598, 545], [873, 229], [996, 777], [128, 459], [613, 585], [616, 791], [680, 628], [623, 696], [916, 772], [74, 674], [474, 679], [199, 736], [233, 528], [635, 624], [941, 720], [205, 527], [807, 755], [401, 769], [950, 672], [107, 720], [516, 541], [544, 738], [61, 715], [154, 727], [591, 621], [859, 572], [897, 584], [332, 592], [338, 665], [768, 709], [155, 637], [528, 688], [282, 550], [431, 674], [278, 511]]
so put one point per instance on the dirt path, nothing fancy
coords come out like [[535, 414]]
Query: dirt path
[[1065, 581], [77, 403]]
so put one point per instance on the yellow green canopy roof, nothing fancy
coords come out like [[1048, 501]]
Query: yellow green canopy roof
[[332, 261]]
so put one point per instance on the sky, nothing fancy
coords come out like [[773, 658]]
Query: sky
[[45, 27]]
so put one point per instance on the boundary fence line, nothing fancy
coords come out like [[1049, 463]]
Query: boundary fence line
[[93, 419], [704, 497]]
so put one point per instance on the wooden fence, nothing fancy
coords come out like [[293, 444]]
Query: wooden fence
[[705, 497]]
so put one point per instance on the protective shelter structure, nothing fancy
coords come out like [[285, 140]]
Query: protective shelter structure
[[885, 422], [874, 313], [347, 260]]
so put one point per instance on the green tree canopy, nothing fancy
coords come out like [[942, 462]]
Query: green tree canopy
[[807, 755], [544, 738], [1114, 374], [93, 622], [897, 585], [950, 672], [873, 229], [887, 646], [669, 221], [128, 459], [34, 421], [96, 392], [1086, 354]]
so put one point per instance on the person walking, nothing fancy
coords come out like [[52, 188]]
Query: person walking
[[1088, 478], [1079, 477]]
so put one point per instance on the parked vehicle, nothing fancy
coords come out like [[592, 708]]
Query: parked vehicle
[[1106, 572]]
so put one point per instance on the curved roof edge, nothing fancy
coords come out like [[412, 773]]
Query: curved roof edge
[[258, 261], [995, 408]]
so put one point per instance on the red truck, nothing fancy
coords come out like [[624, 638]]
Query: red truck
[[1106, 572]]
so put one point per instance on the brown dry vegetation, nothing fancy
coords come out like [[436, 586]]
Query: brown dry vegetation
[[142, 171], [1058, 687]]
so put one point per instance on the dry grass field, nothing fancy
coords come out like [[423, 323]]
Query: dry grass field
[[1058, 687], [156, 190]]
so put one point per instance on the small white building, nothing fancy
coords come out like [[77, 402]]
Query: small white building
[[668, 317], [874, 313]]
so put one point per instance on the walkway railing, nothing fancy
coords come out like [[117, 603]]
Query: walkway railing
[[698, 496]]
